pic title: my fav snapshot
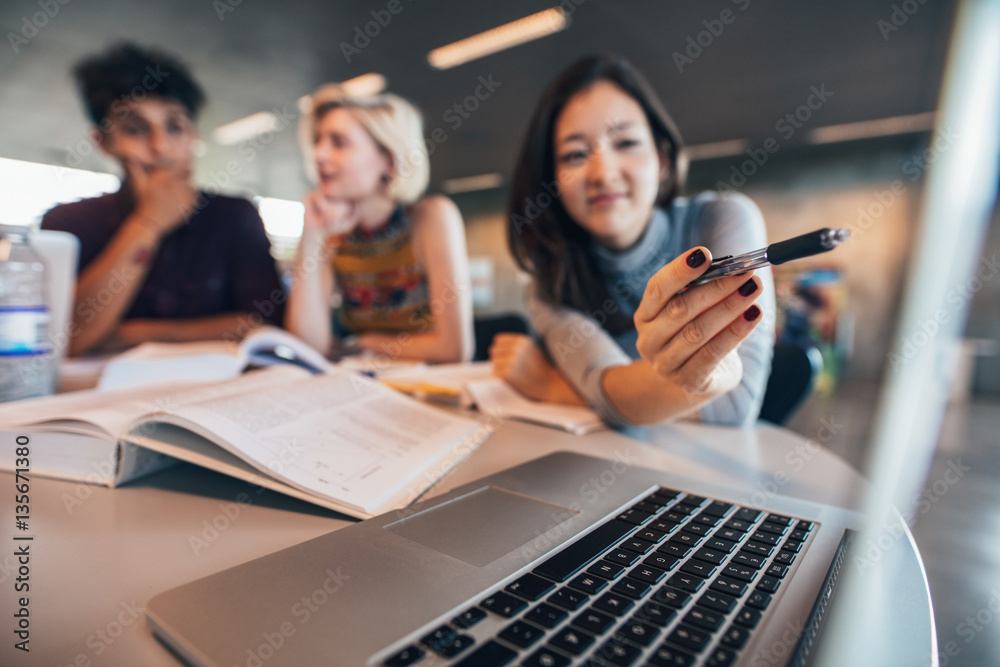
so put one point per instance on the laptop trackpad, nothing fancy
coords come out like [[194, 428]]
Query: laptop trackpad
[[483, 525]]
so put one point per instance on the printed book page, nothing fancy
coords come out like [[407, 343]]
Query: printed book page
[[496, 398], [342, 436]]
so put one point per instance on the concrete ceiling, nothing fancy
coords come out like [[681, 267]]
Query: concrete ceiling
[[260, 55]]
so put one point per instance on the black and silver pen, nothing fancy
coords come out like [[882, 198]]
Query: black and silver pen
[[813, 243]]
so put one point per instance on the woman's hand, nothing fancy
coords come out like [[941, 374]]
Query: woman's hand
[[328, 217], [519, 362], [690, 338]]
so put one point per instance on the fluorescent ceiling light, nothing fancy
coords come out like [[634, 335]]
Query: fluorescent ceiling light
[[882, 127], [365, 85], [497, 39], [233, 133], [716, 149], [471, 183]]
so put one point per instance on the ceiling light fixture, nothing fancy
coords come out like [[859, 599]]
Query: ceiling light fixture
[[497, 39], [866, 129], [471, 183]]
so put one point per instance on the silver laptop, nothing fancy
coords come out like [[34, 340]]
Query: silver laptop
[[536, 566]]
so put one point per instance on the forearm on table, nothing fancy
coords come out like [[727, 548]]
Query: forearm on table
[[430, 346], [308, 314], [641, 396], [228, 326], [107, 288]]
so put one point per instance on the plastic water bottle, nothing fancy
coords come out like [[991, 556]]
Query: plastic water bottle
[[27, 366]]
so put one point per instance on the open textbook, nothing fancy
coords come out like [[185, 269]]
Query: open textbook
[[338, 440], [209, 361]]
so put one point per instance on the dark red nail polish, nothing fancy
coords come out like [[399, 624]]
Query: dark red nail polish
[[748, 288], [696, 259], [751, 313]]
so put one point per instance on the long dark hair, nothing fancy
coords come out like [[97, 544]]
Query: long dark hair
[[544, 240]]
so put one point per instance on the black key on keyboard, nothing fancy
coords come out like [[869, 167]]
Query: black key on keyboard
[[469, 617], [748, 617], [775, 528], [666, 494], [798, 535], [594, 622], [755, 561], [698, 568], [704, 618], [490, 654], [728, 586], [571, 559], [439, 637], [613, 603], [531, 587], [588, 583], [784, 558], [546, 657], [739, 525], [735, 637], [792, 545], [546, 615], [656, 614], [719, 544], [568, 599], [699, 529], [729, 534], [687, 582], [685, 539], [759, 600], [458, 644], [639, 546], [707, 519], [747, 514], [669, 656], [709, 555], [693, 500], [638, 632], [635, 517], [660, 561], [674, 549], [619, 653], [758, 548], [650, 575], [718, 508], [740, 572], [503, 604], [768, 584], [650, 535], [779, 518], [407, 656], [646, 506], [663, 525], [777, 570], [631, 588], [572, 641], [605, 569], [720, 657], [622, 557], [521, 633], [717, 601], [804, 525], [671, 597], [689, 638], [684, 508], [763, 537]]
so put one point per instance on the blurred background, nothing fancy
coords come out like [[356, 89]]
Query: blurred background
[[847, 92]]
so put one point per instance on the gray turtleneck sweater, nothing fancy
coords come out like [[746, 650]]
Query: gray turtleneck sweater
[[727, 224]]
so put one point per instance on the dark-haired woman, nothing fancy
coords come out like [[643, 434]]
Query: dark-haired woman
[[596, 218]]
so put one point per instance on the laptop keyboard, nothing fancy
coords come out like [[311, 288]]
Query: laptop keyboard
[[674, 580]]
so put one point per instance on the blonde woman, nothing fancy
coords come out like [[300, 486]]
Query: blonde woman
[[393, 258]]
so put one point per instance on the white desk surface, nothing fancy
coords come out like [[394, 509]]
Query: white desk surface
[[97, 559]]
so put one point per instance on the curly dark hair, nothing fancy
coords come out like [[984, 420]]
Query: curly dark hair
[[126, 71], [543, 238]]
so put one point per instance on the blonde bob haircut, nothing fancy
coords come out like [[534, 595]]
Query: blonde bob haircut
[[394, 124]]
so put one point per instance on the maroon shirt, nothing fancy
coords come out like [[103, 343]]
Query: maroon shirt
[[217, 262]]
